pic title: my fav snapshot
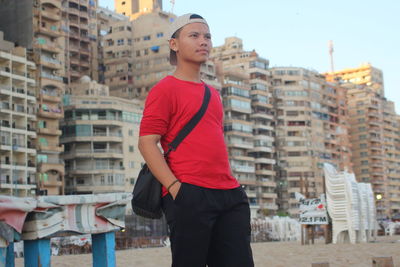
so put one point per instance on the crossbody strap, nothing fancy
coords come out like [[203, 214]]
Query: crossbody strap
[[192, 123]]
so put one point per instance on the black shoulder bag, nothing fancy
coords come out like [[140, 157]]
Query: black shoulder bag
[[146, 200]]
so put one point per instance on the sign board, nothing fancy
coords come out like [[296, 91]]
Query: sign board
[[313, 210]]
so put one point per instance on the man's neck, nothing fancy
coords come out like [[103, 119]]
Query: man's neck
[[189, 73]]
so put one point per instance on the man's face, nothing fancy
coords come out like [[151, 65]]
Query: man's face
[[193, 43]]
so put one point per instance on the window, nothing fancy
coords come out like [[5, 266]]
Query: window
[[138, 53], [130, 132], [146, 51], [363, 145], [146, 38], [364, 162], [120, 42], [131, 164], [160, 34], [363, 154], [130, 148]]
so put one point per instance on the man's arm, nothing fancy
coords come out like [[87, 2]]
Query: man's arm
[[156, 162]]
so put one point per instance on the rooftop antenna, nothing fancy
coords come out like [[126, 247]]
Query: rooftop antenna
[[330, 45], [172, 5]]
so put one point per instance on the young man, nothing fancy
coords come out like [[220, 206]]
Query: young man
[[206, 209]]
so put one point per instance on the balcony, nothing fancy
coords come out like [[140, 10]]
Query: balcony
[[58, 114], [265, 172], [246, 169], [50, 147], [52, 31], [95, 153], [50, 62], [51, 165], [94, 169], [106, 137], [50, 96], [4, 106], [264, 161], [48, 46], [269, 195], [49, 131], [51, 76], [55, 3]]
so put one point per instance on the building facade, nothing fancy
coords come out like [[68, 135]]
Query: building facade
[[374, 134], [17, 121], [311, 129], [100, 135], [375, 137], [249, 122], [135, 8], [79, 25]]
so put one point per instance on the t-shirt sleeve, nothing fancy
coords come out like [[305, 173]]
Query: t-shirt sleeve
[[156, 114]]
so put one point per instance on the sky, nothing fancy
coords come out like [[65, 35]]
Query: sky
[[296, 32]]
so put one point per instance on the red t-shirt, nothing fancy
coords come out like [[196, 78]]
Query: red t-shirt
[[202, 158]]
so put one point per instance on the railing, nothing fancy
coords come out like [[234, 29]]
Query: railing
[[98, 151], [36, 238], [50, 60], [50, 76]]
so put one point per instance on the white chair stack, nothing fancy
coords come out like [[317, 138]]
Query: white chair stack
[[350, 206]]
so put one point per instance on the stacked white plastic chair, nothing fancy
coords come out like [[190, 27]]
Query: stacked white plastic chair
[[350, 206], [276, 228]]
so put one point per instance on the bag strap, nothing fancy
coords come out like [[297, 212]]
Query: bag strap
[[192, 123]]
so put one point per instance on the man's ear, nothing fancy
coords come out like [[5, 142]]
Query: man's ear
[[173, 44]]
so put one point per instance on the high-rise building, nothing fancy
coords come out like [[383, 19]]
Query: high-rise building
[[249, 121], [135, 8], [79, 24], [365, 74], [136, 54], [62, 40], [100, 135], [105, 18], [17, 121], [375, 137], [311, 129], [374, 134]]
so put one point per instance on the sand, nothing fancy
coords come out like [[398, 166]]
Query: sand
[[276, 254]]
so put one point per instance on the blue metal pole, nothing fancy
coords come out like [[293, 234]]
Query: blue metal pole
[[10, 259], [103, 249], [37, 253], [3, 253]]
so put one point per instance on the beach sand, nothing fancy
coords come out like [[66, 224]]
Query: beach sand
[[274, 254]]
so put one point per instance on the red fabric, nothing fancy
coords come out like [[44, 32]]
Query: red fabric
[[202, 158]]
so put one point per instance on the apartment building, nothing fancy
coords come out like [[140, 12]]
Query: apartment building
[[17, 122], [365, 74], [105, 18], [100, 135], [249, 121], [136, 54], [311, 129], [79, 24], [135, 8], [374, 135]]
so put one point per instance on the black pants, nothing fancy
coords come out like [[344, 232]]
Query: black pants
[[209, 227]]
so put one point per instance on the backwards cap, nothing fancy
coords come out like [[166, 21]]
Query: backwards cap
[[178, 23]]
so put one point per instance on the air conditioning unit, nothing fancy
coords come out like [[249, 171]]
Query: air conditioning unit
[[54, 56], [54, 72]]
